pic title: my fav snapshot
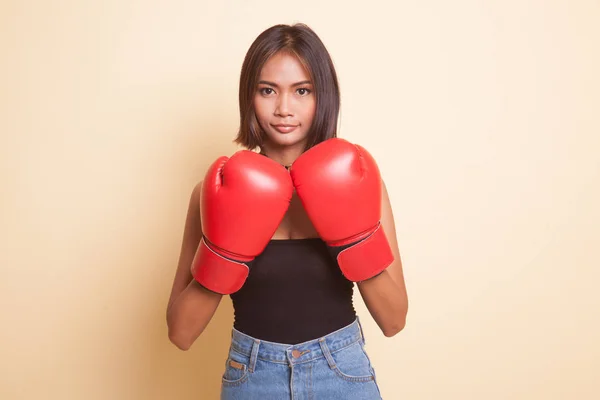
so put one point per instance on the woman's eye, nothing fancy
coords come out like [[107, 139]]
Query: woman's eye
[[269, 91]]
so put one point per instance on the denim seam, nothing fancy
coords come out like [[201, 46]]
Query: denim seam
[[245, 354]]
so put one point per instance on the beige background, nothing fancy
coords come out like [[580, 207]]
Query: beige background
[[483, 116]]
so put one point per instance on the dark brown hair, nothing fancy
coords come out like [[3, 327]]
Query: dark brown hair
[[301, 41]]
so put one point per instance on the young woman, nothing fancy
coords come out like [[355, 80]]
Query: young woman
[[286, 232]]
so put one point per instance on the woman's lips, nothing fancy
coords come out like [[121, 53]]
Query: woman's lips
[[285, 129]]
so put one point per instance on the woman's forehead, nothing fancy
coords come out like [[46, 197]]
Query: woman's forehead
[[284, 69]]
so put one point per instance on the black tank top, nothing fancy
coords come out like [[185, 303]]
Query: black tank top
[[295, 292]]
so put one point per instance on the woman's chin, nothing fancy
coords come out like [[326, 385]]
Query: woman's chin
[[287, 139]]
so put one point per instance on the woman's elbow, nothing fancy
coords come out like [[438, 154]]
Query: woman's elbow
[[177, 334], [396, 328], [180, 339]]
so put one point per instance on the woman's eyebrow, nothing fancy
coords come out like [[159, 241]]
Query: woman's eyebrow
[[295, 84]]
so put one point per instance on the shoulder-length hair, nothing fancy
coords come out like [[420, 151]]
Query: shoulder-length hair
[[301, 41]]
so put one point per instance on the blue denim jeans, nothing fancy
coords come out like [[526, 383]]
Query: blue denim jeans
[[335, 366]]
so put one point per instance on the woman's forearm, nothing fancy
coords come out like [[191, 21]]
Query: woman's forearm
[[190, 313], [386, 302]]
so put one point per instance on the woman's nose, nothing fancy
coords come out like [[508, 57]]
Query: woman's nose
[[283, 106]]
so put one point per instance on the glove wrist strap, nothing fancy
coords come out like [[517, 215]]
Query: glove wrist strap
[[364, 259], [217, 273]]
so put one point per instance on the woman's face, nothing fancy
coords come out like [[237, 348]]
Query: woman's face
[[284, 101]]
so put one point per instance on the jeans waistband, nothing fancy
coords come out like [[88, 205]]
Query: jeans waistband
[[296, 353]]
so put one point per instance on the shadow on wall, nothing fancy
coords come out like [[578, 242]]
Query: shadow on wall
[[194, 374], [164, 371]]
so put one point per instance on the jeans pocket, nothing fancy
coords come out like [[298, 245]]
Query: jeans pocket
[[352, 364], [236, 369]]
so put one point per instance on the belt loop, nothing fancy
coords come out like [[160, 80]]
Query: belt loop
[[253, 355], [326, 353], [362, 335]]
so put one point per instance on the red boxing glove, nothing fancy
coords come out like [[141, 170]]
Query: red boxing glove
[[243, 201], [339, 185]]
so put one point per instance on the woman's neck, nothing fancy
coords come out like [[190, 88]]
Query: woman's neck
[[283, 155]]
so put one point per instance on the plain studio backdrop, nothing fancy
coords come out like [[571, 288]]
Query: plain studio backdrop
[[483, 118]]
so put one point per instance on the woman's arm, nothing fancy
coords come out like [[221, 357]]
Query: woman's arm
[[190, 306], [385, 294]]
